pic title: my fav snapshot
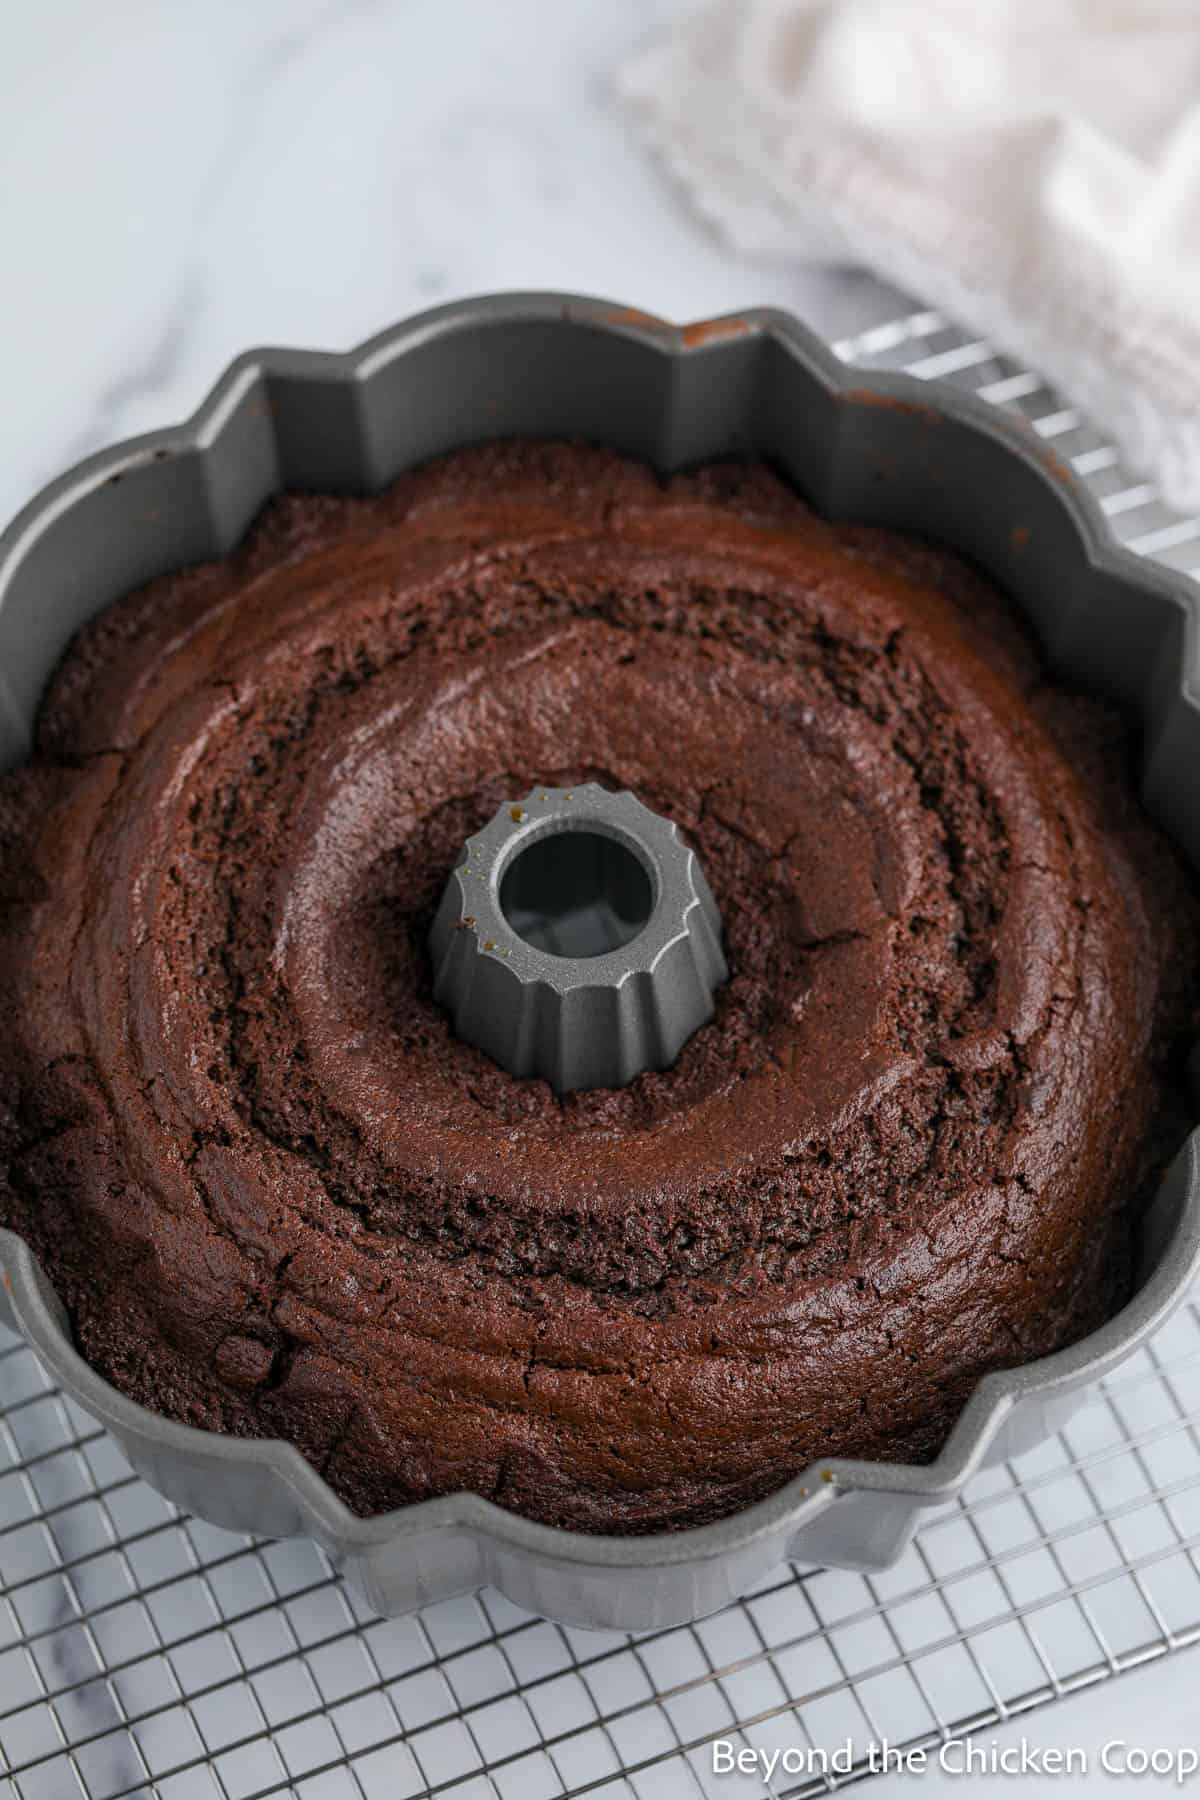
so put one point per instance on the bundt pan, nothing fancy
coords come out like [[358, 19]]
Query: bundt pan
[[878, 447]]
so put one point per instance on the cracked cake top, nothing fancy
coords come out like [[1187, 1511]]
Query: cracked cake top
[[280, 1197]]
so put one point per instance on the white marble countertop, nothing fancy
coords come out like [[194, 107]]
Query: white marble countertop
[[185, 180]]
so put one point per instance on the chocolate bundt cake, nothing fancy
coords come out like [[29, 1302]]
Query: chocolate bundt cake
[[279, 1197]]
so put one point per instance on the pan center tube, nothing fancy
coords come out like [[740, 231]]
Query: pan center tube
[[577, 939]]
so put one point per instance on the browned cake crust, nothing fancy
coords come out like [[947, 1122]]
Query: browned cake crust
[[278, 1196]]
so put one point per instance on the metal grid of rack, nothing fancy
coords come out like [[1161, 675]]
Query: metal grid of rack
[[145, 1653]]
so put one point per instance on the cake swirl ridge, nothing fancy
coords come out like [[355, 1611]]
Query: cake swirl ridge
[[888, 1161]]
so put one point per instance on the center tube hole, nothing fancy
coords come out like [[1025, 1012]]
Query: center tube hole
[[576, 893]]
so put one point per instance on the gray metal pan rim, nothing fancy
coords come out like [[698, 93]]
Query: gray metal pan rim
[[30, 1300], [34, 1309]]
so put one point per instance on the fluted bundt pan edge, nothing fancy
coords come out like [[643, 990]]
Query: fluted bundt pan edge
[[885, 448]]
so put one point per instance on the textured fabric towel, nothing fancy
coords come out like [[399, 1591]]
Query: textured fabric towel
[[1030, 166]]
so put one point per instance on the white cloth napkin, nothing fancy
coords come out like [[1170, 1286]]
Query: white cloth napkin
[[1032, 167]]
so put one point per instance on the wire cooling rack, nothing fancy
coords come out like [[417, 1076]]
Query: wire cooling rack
[[144, 1653]]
